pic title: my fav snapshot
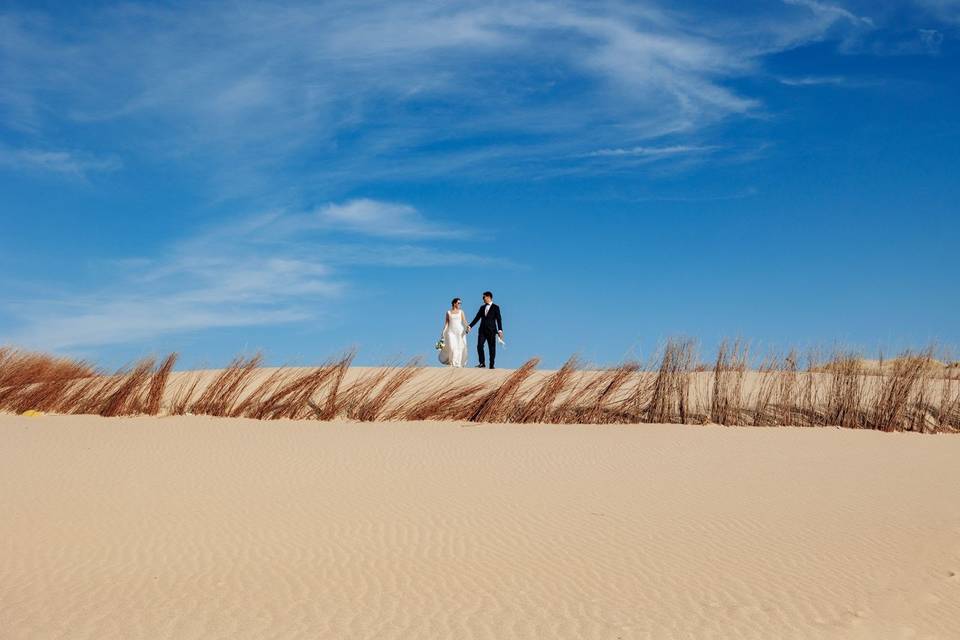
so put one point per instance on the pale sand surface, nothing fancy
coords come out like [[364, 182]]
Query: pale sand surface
[[195, 527]]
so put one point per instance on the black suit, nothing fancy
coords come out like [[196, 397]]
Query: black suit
[[490, 323]]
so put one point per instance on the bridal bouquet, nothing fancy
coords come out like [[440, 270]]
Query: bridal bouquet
[[440, 344]]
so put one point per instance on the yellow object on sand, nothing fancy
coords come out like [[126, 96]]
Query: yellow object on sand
[[32, 413]]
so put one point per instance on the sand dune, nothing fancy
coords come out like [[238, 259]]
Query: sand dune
[[910, 395], [194, 527]]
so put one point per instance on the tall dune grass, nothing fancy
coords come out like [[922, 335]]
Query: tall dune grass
[[670, 393], [726, 398], [540, 407], [913, 392], [499, 404], [18, 367]]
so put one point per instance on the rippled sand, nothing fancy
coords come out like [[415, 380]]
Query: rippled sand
[[210, 528]]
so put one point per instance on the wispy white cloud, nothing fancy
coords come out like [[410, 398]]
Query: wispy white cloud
[[810, 81], [652, 152], [262, 270], [66, 163], [378, 218], [907, 42], [180, 293], [125, 320], [244, 91], [846, 82], [946, 10], [931, 39], [832, 11]]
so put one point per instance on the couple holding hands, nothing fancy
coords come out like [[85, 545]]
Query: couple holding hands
[[453, 339]]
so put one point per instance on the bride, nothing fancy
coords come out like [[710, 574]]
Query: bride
[[455, 329]]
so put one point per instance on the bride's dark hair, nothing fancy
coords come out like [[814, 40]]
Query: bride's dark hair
[[454, 302]]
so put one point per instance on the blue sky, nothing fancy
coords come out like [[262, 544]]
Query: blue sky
[[300, 178]]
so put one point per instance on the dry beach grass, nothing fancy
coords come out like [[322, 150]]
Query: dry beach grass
[[913, 392]]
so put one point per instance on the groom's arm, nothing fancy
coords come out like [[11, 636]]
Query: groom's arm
[[499, 320], [477, 319]]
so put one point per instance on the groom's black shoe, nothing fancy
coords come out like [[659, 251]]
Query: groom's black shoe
[[480, 366]]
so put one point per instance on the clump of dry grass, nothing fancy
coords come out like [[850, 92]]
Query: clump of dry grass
[[294, 398], [376, 406], [845, 399], [41, 396], [260, 402], [899, 401], [614, 395], [75, 395], [35, 380], [359, 394], [540, 406], [329, 409], [221, 396], [726, 396], [285, 394], [670, 392], [46, 383], [18, 368], [496, 406], [123, 398], [450, 401], [767, 385], [157, 385], [603, 400], [184, 395], [809, 404], [777, 400], [787, 392], [948, 408], [639, 397], [573, 403], [367, 399]]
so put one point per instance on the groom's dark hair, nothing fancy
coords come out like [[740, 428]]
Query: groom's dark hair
[[488, 294]]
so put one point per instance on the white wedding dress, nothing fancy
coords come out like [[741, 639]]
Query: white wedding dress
[[454, 352]]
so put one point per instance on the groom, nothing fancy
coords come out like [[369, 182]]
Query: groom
[[491, 326]]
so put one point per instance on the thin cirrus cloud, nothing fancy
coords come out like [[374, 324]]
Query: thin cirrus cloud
[[812, 81], [388, 219], [945, 10], [65, 163], [256, 271], [844, 82], [402, 90], [181, 293], [832, 11], [651, 152]]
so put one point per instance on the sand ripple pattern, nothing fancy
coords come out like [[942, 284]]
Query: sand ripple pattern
[[195, 527]]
